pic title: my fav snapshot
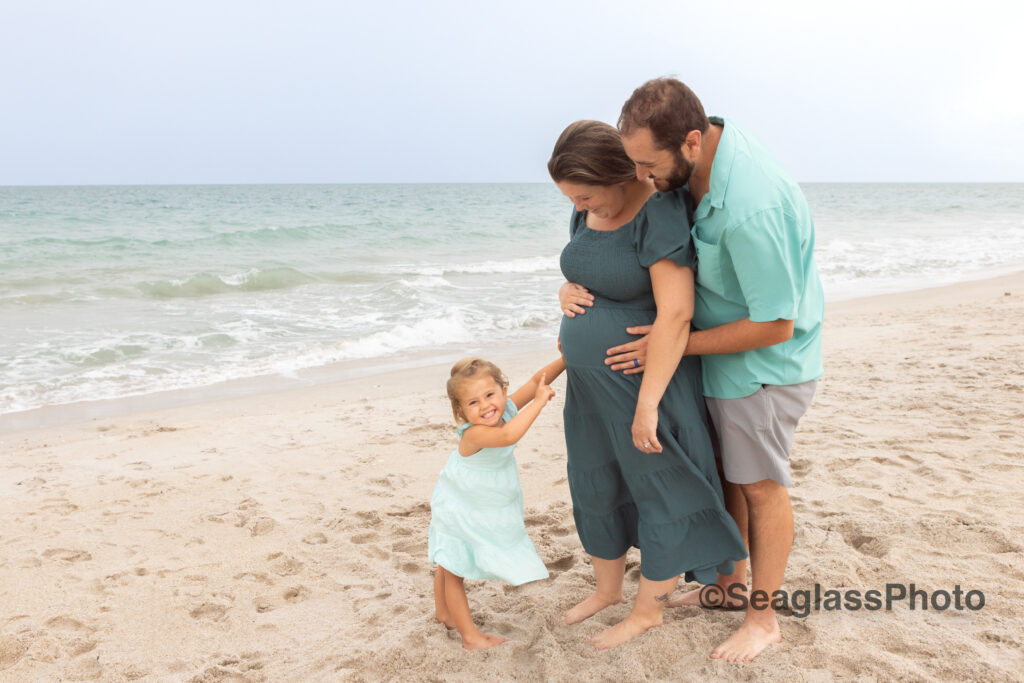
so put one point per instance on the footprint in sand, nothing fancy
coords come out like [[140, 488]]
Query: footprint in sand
[[244, 667], [261, 526], [62, 506], [75, 637], [292, 595], [315, 538], [416, 547], [283, 565], [12, 649], [864, 543], [562, 564], [209, 611], [253, 576], [66, 555]]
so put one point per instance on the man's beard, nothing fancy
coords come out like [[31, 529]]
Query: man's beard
[[680, 174]]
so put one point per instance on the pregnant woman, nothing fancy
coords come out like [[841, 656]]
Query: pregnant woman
[[640, 462]]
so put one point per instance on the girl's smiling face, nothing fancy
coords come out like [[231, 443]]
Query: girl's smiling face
[[482, 400]]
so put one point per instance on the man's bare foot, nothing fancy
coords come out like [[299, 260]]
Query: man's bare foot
[[716, 599], [628, 628], [481, 642], [445, 619], [748, 641], [589, 607]]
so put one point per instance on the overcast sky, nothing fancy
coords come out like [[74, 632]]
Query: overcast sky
[[301, 91]]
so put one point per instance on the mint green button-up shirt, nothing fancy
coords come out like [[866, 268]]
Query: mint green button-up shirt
[[755, 259]]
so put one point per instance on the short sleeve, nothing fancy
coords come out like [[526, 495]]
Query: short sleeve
[[766, 255], [663, 229]]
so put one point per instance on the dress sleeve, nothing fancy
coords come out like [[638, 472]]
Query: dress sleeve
[[663, 229]]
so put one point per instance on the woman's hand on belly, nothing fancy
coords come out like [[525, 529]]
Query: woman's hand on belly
[[572, 298], [630, 357]]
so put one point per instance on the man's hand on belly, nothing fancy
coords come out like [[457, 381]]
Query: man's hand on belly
[[630, 357]]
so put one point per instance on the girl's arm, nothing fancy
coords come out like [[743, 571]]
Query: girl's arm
[[480, 436], [673, 295], [525, 393]]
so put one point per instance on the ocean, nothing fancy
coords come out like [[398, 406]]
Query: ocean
[[111, 292]]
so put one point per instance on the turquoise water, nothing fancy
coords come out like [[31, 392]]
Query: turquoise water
[[108, 292]]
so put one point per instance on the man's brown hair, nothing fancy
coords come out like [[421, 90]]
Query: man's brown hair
[[668, 108]]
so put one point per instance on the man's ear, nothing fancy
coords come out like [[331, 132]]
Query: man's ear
[[691, 145]]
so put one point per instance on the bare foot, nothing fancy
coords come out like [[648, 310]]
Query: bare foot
[[482, 642], [713, 598], [748, 642], [628, 628], [445, 619], [589, 607]]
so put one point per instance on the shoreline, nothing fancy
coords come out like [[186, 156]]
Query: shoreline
[[345, 371], [282, 536]]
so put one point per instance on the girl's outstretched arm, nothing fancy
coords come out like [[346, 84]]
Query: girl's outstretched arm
[[525, 393], [480, 436]]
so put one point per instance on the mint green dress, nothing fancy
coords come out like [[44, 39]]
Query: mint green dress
[[476, 517], [668, 504]]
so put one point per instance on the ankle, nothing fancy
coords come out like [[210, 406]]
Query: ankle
[[762, 619]]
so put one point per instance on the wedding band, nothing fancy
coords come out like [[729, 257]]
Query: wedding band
[[647, 444], [636, 363]]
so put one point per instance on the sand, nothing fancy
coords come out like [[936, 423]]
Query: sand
[[282, 536]]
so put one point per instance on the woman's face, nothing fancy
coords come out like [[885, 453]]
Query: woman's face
[[602, 201]]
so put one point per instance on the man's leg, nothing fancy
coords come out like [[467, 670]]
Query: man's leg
[[771, 537], [736, 504]]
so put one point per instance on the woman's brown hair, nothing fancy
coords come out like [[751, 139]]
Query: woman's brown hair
[[590, 153]]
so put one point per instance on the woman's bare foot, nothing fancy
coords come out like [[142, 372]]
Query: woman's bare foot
[[589, 607], [481, 641], [628, 628], [724, 597], [748, 641], [445, 619]]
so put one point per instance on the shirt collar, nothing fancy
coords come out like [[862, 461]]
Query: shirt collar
[[721, 167]]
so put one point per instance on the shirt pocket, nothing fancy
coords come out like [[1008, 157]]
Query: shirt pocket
[[709, 265]]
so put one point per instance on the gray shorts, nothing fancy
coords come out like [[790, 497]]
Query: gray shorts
[[755, 432]]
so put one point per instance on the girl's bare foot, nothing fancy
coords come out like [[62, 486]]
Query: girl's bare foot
[[481, 641], [445, 619], [628, 628], [589, 607]]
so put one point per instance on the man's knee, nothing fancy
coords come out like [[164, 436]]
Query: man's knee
[[764, 492]]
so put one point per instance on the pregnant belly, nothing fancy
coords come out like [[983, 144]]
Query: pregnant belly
[[586, 338]]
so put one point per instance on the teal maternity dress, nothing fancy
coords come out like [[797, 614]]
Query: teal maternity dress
[[668, 504], [476, 517]]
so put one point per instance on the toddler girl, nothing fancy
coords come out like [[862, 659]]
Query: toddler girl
[[476, 525]]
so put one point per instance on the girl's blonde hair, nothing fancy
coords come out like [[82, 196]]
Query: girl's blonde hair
[[466, 369]]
